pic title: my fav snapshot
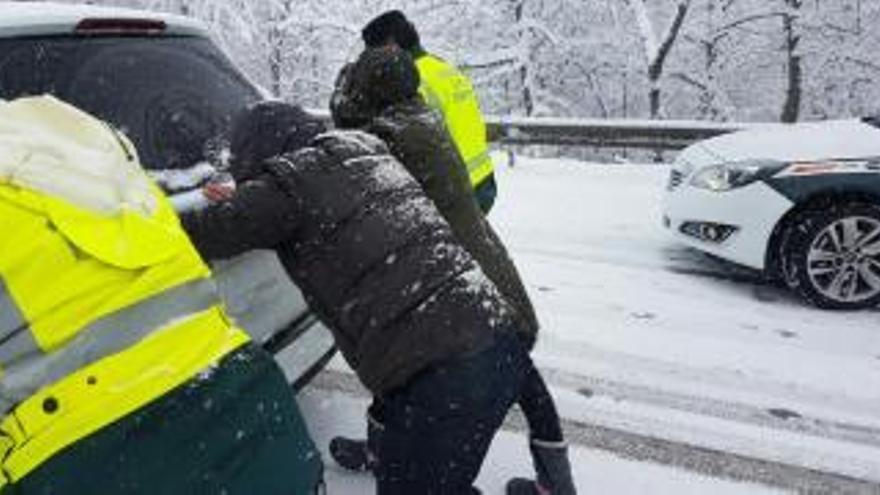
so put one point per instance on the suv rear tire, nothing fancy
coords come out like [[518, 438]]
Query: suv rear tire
[[831, 255]]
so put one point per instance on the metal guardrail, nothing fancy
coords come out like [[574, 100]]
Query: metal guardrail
[[601, 133], [611, 133]]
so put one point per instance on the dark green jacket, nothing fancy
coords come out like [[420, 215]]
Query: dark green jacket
[[417, 137], [379, 93], [234, 430]]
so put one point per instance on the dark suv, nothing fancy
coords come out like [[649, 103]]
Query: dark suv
[[161, 80]]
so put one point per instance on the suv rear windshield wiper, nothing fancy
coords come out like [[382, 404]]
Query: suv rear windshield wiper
[[874, 121]]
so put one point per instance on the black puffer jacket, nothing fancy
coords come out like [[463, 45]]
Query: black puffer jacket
[[369, 250], [379, 94]]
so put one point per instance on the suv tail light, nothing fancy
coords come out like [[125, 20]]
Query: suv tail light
[[110, 26]]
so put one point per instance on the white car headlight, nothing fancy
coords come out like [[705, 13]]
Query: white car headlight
[[730, 176]]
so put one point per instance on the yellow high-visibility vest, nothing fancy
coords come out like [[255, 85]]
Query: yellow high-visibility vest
[[445, 88], [105, 305]]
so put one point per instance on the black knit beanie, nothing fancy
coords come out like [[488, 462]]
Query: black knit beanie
[[267, 129], [392, 25]]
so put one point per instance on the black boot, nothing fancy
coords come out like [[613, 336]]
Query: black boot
[[356, 454], [350, 453], [553, 468], [522, 486]]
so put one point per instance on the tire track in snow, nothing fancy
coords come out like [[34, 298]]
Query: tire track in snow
[[780, 418], [641, 372]]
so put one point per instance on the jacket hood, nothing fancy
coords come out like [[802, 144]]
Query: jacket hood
[[268, 129], [380, 78], [52, 147]]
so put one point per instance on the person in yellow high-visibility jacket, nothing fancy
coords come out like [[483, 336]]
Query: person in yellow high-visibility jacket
[[120, 371], [445, 88]]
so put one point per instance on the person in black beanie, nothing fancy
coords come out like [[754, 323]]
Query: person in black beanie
[[448, 90], [411, 311], [379, 94], [266, 128]]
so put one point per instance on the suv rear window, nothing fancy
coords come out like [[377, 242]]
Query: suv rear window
[[174, 96]]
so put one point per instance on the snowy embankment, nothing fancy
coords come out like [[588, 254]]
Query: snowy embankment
[[642, 335]]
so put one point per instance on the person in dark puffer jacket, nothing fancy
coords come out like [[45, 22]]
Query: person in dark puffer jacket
[[379, 93], [411, 311]]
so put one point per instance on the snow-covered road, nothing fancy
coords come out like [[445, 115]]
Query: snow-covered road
[[332, 413], [644, 336], [669, 343]]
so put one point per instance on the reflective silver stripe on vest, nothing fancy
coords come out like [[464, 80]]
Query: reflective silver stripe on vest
[[12, 322], [432, 99], [478, 161], [25, 375], [20, 345], [15, 338]]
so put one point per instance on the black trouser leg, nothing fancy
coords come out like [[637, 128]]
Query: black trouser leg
[[539, 409], [437, 428], [547, 445], [486, 192]]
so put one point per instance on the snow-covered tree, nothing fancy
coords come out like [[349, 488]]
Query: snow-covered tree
[[714, 59], [656, 47]]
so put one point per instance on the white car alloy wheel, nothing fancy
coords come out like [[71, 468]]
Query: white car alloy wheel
[[843, 261], [832, 255]]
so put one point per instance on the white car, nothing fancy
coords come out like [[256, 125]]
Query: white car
[[161, 80], [800, 202]]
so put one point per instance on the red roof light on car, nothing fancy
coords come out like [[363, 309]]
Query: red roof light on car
[[110, 26], [812, 168]]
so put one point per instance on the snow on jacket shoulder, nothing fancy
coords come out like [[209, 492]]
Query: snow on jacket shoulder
[[371, 253]]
